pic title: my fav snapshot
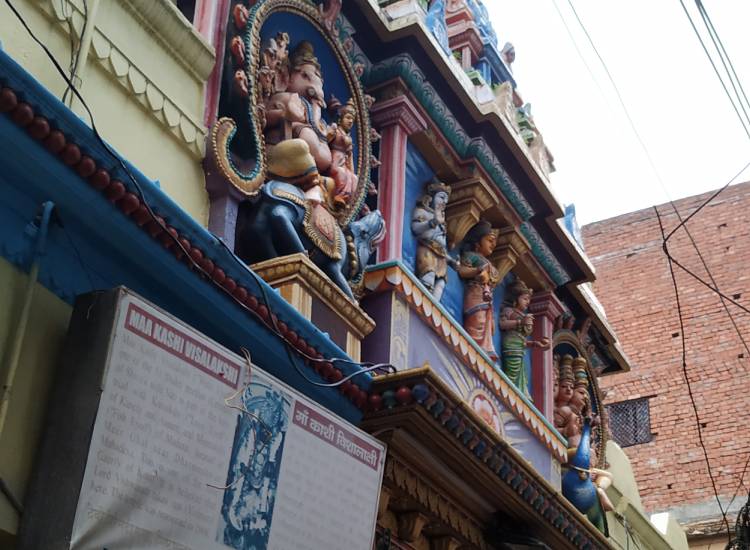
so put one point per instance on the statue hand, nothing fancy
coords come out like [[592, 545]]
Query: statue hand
[[543, 343]]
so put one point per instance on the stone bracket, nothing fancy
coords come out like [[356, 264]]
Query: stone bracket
[[510, 247], [469, 199]]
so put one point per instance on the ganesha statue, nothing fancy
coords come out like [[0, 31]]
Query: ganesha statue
[[300, 161]]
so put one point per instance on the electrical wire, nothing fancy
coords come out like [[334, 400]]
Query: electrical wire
[[365, 367], [75, 49], [740, 484], [685, 373], [654, 169], [682, 224], [724, 56], [578, 50], [716, 70]]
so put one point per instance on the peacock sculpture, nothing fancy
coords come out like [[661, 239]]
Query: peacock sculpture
[[577, 485]]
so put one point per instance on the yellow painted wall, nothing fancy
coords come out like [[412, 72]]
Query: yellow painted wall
[[47, 326], [143, 78]]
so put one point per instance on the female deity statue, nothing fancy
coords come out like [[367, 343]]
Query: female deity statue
[[428, 225], [342, 153], [516, 326], [481, 279]]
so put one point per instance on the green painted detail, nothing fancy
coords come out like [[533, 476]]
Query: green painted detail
[[404, 67], [545, 256], [475, 76]]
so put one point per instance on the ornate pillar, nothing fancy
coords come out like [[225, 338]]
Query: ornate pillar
[[211, 20], [396, 119], [546, 308]]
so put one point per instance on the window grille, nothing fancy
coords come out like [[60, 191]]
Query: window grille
[[630, 422]]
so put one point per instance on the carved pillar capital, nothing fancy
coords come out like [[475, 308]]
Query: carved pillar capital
[[398, 110], [469, 198], [410, 525], [546, 304], [510, 247]]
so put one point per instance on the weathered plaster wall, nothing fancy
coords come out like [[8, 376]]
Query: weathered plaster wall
[[636, 290], [143, 79], [42, 342]]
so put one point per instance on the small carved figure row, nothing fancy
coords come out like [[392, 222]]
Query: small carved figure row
[[583, 484], [480, 276]]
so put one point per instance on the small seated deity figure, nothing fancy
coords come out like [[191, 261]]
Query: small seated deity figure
[[428, 225], [564, 417], [481, 279], [342, 153], [516, 327]]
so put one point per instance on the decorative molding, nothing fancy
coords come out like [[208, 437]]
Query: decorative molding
[[187, 129], [422, 491], [410, 525], [176, 34], [469, 198], [298, 268], [394, 277], [420, 394], [510, 247], [545, 256], [404, 67], [182, 125]]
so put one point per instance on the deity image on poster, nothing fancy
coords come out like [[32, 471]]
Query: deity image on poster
[[253, 477]]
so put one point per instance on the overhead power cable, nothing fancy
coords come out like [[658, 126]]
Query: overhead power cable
[[685, 373], [716, 70], [654, 169], [682, 224], [725, 59]]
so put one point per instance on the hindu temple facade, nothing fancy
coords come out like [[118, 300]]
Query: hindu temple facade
[[358, 188]]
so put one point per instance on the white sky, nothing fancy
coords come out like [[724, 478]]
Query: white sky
[[673, 96]]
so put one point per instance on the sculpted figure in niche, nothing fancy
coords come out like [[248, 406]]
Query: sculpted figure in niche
[[481, 279], [428, 225], [580, 405], [342, 152], [564, 418], [517, 326]]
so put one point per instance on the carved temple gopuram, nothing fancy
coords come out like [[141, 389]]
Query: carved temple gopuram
[[351, 193]]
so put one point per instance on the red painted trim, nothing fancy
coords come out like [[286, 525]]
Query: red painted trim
[[135, 209], [546, 308]]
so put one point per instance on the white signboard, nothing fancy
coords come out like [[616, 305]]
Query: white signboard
[[192, 449]]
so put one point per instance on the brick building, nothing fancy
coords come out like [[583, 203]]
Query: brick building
[[652, 415]]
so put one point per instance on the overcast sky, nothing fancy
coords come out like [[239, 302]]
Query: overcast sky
[[673, 96]]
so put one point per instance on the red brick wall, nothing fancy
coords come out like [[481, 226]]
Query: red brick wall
[[634, 285]]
